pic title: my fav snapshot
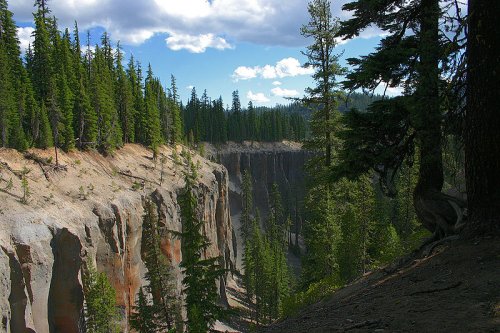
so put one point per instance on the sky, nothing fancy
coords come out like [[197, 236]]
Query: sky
[[253, 46]]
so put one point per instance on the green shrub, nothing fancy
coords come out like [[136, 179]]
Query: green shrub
[[315, 293]]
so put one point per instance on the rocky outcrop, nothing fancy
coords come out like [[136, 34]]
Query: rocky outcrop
[[93, 212], [278, 162]]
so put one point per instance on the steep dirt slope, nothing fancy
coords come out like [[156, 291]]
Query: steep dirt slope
[[455, 289]]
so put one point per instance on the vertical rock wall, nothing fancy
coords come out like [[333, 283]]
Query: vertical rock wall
[[93, 212], [282, 163]]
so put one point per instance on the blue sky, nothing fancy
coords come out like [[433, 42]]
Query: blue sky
[[253, 46]]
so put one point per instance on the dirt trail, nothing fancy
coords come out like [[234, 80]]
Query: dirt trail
[[455, 289]]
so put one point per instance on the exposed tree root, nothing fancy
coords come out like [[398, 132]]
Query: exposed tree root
[[45, 162], [427, 248]]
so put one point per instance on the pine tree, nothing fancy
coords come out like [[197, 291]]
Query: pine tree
[[220, 121], [65, 76], [134, 73], [410, 57], [321, 235], [267, 277], [323, 97], [85, 117], [6, 102], [354, 210], [258, 266], [200, 275], [44, 139], [192, 117], [109, 135], [176, 133], [31, 112], [153, 136], [275, 222], [142, 320], [161, 286], [124, 100], [17, 138], [14, 100], [280, 279], [100, 297], [482, 120], [249, 265], [253, 125], [8, 33], [235, 126], [42, 74], [247, 203]]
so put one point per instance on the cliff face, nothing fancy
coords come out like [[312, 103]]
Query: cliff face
[[280, 162], [93, 211]]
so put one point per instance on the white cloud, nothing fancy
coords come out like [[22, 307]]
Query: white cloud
[[190, 87], [283, 68], [244, 73], [257, 97], [133, 22], [276, 83], [196, 44], [134, 37], [284, 92], [291, 67], [261, 22], [25, 38], [268, 72]]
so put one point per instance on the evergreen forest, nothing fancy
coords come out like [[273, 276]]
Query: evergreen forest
[[386, 176]]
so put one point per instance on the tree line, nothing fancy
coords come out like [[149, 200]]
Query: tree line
[[60, 95], [208, 120]]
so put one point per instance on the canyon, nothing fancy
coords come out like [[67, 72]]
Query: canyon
[[280, 163], [89, 209]]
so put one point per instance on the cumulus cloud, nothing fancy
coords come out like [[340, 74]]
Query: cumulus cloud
[[276, 83], [257, 97], [196, 44], [189, 23], [291, 67], [283, 68], [284, 92], [245, 73], [261, 22], [25, 37]]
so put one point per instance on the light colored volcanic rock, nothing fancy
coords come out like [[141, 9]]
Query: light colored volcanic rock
[[93, 211]]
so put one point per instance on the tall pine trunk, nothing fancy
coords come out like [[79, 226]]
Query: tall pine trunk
[[427, 118], [482, 144], [428, 114]]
